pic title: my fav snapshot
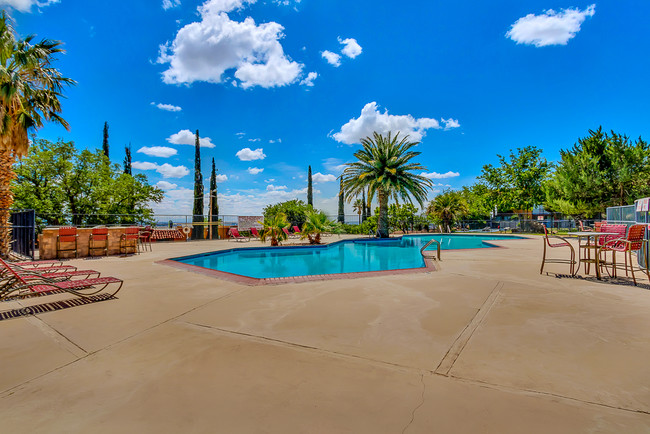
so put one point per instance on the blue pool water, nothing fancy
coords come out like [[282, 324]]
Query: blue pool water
[[350, 256]]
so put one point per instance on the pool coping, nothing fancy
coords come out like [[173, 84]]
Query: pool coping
[[430, 265]]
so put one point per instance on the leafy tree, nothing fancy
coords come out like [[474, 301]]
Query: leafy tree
[[105, 140], [517, 182], [57, 181], [295, 211], [384, 166], [479, 201], [310, 192], [341, 216], [600, 170], [213, 193], [315, 225], [447, 208], [127, 160], [197, 212], [30, 88], [359, 207], [401, 217], [273, 225]]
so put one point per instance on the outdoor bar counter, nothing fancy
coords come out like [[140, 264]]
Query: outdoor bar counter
[[47, 243]]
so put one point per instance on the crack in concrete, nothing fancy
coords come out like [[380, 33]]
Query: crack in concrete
[[424, 387]]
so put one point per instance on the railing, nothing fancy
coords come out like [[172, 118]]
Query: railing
[[431, 241], [23, 232]]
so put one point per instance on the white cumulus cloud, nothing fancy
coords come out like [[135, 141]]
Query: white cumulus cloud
[[26, 5], [205, 50], [549, 28], [320, 177], [164, 185], [371, 120], [332, 58], [166, 170], [272, 187], [168, 4], [351, 47], [254, 170], [158, 151], [309, 80], [247, 154], [436, 175], [167, 107], [186, 137], [222, 178]]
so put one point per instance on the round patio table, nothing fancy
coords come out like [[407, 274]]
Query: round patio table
[[590, 244]]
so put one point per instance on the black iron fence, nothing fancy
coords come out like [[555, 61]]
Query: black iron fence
[[23, 232]]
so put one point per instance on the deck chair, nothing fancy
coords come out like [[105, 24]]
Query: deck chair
[[296, 230], [235, 235], [583, 228], [552, 245], [289, 234], [255, 233], [98, 240], [66, 240], [24, 286], [129, 240]]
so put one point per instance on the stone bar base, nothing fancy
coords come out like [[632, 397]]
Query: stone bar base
[[47, 243]]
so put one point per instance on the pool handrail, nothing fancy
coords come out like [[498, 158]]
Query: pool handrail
[[431, 241]]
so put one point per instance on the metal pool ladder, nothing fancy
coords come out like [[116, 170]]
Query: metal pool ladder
[[433, 240]]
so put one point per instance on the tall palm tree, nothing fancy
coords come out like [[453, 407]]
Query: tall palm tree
[[359, 207], [30, 89], [447, 208], [384, 166]]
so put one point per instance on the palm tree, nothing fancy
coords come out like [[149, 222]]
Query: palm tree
[[30, 89], [384, 166], [273, 226], [316, 223], [359, 207], [447, 208]]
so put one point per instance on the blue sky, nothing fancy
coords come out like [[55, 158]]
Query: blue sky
[[276, 85]]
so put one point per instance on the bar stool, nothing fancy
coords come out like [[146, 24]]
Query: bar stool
[[98, 240], [129, 239], [67, 235]]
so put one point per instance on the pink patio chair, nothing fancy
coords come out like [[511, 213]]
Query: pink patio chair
[[235, 235], [626, 245], [558, 244]]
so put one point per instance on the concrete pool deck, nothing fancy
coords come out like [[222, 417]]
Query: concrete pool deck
[[485, 344]]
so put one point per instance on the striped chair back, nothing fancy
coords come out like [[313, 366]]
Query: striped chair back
[[635, 236]]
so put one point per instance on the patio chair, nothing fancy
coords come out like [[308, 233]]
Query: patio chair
[[129, 240], [633, 242], [255, 233], [23, 286], [98, 240], [597, 225], [37, 264], [144, 237], [583, 228], [66, 240], [296, 230], [235, 235], [562, 243]]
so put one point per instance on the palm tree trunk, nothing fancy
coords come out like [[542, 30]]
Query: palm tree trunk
[[382, 225], [7, 174]]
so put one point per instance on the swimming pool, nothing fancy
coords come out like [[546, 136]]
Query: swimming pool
[[349, 256]]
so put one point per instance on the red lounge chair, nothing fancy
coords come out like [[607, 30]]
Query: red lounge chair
[[36, 264], [625, 245], [25, 286], [235, 235], [255, 233], [66, 240], [296, 230], [289, 234], [563, 243]]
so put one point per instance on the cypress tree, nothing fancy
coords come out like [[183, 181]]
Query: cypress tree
[[197, 216], [213, 193], [105, 141], [310, 194], [364, 210], [341, 205], [127, 160]]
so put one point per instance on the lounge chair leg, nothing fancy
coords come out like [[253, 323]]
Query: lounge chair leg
[[541, 270]]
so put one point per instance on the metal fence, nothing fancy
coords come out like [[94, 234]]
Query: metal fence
[[23, 232]]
